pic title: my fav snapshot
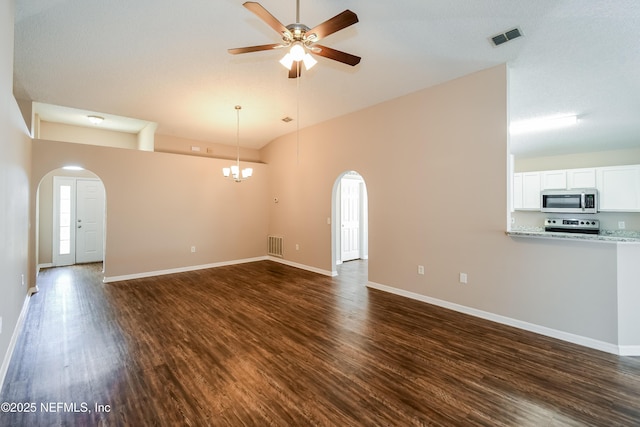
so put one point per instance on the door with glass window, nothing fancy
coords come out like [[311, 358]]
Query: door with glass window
[[78, 219]]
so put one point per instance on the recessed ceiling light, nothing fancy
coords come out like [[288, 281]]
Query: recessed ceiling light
[[95, 120]]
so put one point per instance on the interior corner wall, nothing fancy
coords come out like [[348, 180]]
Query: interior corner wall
[[15, 152], [159, 205], [435, 166]]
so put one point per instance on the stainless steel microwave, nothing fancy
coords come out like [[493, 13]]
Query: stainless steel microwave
[[577, 200]]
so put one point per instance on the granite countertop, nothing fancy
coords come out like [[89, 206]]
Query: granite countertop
[[604, 236]]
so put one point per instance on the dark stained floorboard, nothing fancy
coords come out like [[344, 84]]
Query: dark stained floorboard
[[266, 344]]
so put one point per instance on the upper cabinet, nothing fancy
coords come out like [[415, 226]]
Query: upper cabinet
[[553, 180], [581, 178], [526, 191], [618, 186]]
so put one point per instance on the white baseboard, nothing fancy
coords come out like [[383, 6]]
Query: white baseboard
[[41, 266], [629, 350], [14, 339], [179, 270], [303, 267], [531, 327]]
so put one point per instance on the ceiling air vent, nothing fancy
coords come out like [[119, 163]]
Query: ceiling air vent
[[501, 38]]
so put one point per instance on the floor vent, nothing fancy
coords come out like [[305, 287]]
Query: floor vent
[[498, 39], [275, 246]]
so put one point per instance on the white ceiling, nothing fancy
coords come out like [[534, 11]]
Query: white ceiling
[[166, 61]]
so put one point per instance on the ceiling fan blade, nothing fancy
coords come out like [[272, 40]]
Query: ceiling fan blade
[[337, 23], [336, 55], [267, 17], [296, 70], [248, 49]]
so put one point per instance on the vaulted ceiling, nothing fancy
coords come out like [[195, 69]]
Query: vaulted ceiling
[[166, 61]]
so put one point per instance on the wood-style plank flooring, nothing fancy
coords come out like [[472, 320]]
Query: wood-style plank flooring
[[266, 344]]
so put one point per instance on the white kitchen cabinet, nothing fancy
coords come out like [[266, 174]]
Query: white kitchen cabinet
[[553, 180], [619, 188], [516, 195], [581, 178], [531, 190]]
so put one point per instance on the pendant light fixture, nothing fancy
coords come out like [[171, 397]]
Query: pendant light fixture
[[234, 172]]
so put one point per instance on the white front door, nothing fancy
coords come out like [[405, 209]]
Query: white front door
[[350, 219], [78, 220], [89, 220], [64, 230]]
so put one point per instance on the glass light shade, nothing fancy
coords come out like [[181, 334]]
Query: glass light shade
[[309, 61], [95, 120], [247, 172], [226, 172], [297, 52], [287, 61]]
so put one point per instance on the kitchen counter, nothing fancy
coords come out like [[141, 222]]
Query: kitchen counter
[[604, 236]]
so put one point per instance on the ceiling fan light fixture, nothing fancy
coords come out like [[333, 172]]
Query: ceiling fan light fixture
[[287, 61], [297, 51], [309, 61]]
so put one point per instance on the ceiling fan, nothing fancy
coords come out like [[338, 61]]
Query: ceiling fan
[[302, 39]]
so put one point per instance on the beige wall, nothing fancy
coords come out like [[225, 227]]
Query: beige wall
[[159, 205], [435, 167], [15, 151], [87, 135]]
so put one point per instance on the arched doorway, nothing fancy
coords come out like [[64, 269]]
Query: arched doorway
[[70, 218], [350, 219]]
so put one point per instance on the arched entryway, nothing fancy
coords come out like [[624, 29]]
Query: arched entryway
[[350, 219], [70, 218]]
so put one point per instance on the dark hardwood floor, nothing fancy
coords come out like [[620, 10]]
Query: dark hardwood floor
[[267, 344]]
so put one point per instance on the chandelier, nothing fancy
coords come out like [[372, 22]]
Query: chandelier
[[234, 172]]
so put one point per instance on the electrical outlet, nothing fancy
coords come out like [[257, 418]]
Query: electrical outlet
[[463, 277], [193, 249], [421, 269], [621, 225]]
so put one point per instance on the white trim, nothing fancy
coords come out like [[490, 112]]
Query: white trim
[[14, 339], [41, 266], [542, 330], [303, 267], [180, 270], [629, 350]]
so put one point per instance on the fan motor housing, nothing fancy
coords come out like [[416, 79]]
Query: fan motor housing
[[298, 31]]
